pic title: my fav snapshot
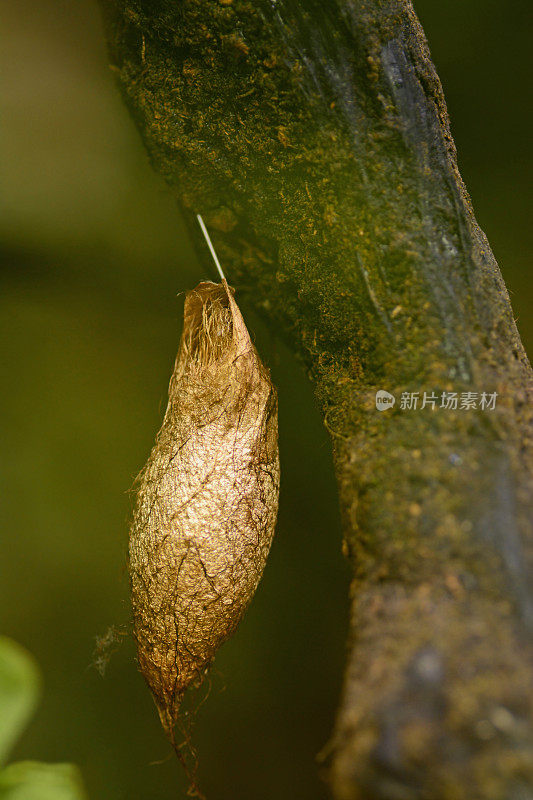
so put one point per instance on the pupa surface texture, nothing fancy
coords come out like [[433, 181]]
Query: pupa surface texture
[[207, 500]]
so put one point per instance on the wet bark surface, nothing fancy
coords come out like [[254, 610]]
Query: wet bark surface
[[313, 137]]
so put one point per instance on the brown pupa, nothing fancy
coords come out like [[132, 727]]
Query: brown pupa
[[207, 500]]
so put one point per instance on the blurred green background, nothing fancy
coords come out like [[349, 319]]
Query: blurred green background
[[93, 258]]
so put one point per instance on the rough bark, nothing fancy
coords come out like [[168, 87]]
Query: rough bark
[[313, 137]]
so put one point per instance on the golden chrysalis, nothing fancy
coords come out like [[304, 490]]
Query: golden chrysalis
[[207, 500]]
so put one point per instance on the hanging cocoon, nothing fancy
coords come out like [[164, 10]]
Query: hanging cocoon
[[207, 500]]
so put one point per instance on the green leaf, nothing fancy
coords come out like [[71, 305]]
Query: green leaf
[[32, 780], [19, 691]]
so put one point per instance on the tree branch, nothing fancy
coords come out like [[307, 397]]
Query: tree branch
[[313, 137]]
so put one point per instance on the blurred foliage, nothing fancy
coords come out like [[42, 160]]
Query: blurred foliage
[[31, 780], [19, 690], [94, 255]]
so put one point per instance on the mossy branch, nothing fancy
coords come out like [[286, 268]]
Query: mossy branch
[[313, 137]]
